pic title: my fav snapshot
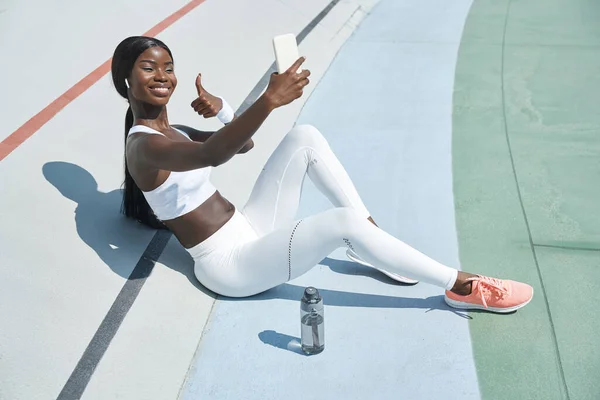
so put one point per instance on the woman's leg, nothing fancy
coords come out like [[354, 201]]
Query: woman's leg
[[274, 200], [292, 250], [275, 197]]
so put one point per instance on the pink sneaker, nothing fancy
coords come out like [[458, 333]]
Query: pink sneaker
[[354, 257], [492, 294]]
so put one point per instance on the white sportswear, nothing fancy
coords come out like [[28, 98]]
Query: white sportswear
[[263, 246], [181, 192]]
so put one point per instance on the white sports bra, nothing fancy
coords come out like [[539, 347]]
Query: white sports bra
[[181, 192]]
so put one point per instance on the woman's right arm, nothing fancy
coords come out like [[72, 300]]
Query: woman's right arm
[[161, 153]]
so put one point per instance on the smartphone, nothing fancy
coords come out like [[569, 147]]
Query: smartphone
[[286, 51]]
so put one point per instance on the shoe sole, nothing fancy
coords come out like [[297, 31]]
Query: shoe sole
[[395, 277], [470, 306]]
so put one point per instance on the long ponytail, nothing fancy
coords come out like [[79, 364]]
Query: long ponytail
[[134, 203]]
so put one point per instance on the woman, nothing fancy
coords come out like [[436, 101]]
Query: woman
[[243, 252]]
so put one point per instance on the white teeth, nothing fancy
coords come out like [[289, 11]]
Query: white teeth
[[162, 90]]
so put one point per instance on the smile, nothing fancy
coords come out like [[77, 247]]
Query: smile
[[160, 91]]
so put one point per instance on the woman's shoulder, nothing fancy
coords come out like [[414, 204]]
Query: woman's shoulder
[[143, 128]]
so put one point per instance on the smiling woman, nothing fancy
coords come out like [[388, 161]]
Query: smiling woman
[[242, 253], [154, 71], [124, 70]]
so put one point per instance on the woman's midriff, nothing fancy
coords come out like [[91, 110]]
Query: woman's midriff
[[199, 224]]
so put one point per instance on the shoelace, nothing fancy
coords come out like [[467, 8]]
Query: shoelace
[[489, 285]]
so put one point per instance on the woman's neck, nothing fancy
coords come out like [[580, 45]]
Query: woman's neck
[[153, 116]]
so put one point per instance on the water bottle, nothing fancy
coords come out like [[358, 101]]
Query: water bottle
[[312, 321]]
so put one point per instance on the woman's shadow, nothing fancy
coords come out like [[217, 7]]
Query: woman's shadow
[[118, 241], [120, 244]]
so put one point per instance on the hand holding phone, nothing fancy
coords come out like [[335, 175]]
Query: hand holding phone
[[287, 86]]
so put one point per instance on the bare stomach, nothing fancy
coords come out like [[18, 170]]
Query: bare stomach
[[196, 226]]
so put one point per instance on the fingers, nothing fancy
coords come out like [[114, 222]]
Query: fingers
[[200, 100], [204, 107], [288, 86], [304, 74], [199, 87], [302, 79], [296, 66], [209, 113], [300, 87], [304, 82]]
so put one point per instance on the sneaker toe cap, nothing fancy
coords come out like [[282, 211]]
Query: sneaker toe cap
[[520, 292]]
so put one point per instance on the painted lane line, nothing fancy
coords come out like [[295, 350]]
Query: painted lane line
[[81, 375], [29, 128], [262, 83]]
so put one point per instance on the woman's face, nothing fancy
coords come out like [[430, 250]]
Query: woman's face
[[152, 78]]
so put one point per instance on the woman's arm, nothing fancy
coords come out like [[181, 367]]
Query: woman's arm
[[201, 136], [194, 134], [159, 152]]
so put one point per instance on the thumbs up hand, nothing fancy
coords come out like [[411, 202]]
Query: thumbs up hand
[[206, 104]]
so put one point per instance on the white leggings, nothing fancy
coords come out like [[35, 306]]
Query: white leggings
[[262, 246]]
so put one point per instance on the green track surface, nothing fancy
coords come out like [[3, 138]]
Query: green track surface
[[527, 187]]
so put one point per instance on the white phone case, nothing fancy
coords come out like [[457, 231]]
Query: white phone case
[[286, 51]]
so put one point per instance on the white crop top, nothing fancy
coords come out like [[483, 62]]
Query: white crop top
[[181, 192]]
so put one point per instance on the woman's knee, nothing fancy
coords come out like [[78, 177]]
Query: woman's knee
[[346, 220], [306, 135]]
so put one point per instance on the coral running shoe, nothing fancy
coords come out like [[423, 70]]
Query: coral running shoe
[[492, 294]]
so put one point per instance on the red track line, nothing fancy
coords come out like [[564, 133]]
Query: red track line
[[30, 127]]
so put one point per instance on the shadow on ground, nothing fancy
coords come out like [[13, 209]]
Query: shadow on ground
[[340, 298], [117, 241], [347, 267], [282, 341], [120, 242]]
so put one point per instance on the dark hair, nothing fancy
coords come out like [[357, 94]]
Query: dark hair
[[134, 204]]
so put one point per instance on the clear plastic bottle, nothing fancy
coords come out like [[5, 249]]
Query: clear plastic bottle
[[312, 321]]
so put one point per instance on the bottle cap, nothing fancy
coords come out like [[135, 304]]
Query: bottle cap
[[311, 295]]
